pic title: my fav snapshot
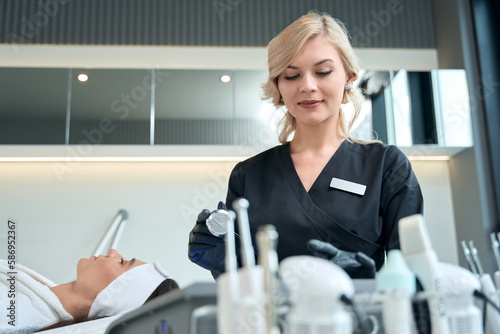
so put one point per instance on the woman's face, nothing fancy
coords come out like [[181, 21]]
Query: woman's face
[[312, 86], [96, 273]]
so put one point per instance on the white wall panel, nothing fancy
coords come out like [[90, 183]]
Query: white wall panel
[[61, 221]]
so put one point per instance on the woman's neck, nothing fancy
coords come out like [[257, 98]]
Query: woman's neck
[[316, 139], [75, 304]]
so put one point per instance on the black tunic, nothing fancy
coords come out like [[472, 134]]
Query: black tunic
[[349, 221]]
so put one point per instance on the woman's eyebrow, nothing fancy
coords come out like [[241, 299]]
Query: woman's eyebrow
[[316, 64], [324, 61], [131, 262]]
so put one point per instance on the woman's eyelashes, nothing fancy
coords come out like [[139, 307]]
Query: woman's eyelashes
[[121, 261], [295, 76], [291, 77], [324, 73]]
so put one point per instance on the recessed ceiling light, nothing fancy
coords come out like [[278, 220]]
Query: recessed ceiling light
[[83, 77], [225, 78]]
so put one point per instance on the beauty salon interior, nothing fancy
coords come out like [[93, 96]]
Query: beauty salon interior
[[121, 120]]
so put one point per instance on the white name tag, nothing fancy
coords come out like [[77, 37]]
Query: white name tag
[[351, 187]]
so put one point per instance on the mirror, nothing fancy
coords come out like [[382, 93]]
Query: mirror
[[195, 107], [418, 108]]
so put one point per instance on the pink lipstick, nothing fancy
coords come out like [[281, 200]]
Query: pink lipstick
[[308, 104]]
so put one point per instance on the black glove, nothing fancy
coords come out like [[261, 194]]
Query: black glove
[[205, 249], [357, 265]]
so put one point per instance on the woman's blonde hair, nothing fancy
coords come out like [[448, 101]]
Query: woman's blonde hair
[[285, 47]]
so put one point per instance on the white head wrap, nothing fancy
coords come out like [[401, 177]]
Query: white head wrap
[[128, 291]]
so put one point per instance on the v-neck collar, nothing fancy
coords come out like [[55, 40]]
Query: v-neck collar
[[294, 176], [319, 219]]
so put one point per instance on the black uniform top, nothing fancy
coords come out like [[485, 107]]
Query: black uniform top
[[349, 221]]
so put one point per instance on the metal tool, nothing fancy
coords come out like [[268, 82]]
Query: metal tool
[[250, 308], [496, 250], [468, 257], [475, 257], [496, 247], [228, 287], [217, 222], [241, 205], [487, 286], [231, 261], [267, 239]]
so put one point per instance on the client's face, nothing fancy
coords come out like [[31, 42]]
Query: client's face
[[96, 273]]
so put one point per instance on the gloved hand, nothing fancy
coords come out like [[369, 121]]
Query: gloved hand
[[357, 265], [205, 249]]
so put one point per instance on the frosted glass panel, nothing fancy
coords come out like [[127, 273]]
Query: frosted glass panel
[[453, 105], [401, 109]]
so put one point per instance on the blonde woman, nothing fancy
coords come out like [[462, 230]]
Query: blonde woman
[[321, 183]]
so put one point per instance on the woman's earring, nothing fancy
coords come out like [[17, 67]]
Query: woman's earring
[[348, 87]]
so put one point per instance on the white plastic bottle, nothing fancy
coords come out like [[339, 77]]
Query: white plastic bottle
[[463, 315], [423, 261], [397, 283], [228, 288], [315, 286]]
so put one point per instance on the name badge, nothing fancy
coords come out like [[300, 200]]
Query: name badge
[[348, 186]]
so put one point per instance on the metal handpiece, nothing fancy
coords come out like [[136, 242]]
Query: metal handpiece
[[231, 262], [468, 257], [241, 205], [267, 239], [475, 257], [217, 222], [496, 245]]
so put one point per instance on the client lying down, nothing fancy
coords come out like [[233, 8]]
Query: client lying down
[[104, 286]]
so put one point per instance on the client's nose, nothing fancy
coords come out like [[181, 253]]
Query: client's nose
[[113, 253]]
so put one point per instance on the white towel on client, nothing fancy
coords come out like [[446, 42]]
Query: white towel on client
[[36, 306], [129, 291]]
